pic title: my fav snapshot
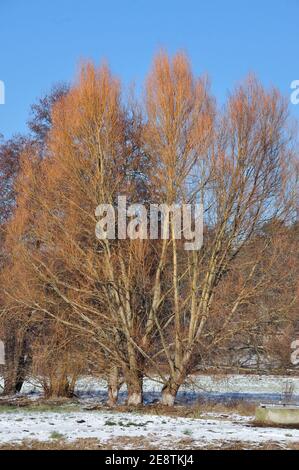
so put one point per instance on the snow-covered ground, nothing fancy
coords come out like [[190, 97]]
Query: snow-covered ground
[[208, 429], [214, 429]]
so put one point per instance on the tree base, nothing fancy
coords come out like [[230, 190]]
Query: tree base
[[135, 399], [168, 398]]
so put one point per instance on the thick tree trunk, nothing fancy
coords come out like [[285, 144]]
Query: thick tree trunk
[[114, 384], [134, 377], [169, 393], [135, 389], [16, 362], [21, 372], [14, 376]]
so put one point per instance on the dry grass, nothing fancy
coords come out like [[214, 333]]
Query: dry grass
[[79, 444], [261, 424], [193, 411], [142, 443]]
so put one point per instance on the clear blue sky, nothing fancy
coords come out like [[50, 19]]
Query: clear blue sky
[[42, 41]]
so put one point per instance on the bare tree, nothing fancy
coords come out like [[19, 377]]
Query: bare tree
[[142, 306]]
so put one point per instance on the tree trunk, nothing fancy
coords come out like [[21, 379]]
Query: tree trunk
[[135, 389], [17, 361], [114, 384], [134, 377], [21, 372], [169, 393]]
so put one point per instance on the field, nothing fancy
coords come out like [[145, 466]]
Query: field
[[212, 412]]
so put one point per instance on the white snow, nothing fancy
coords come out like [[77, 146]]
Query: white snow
[[165, 431]]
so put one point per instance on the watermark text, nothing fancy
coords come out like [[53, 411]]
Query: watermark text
[[2, 92], [158, 221]]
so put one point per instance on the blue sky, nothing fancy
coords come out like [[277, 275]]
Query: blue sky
[[42, 42]]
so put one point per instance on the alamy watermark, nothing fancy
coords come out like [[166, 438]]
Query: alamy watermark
[[158, 221], [2, 92], [295, 353], [295, 93]]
